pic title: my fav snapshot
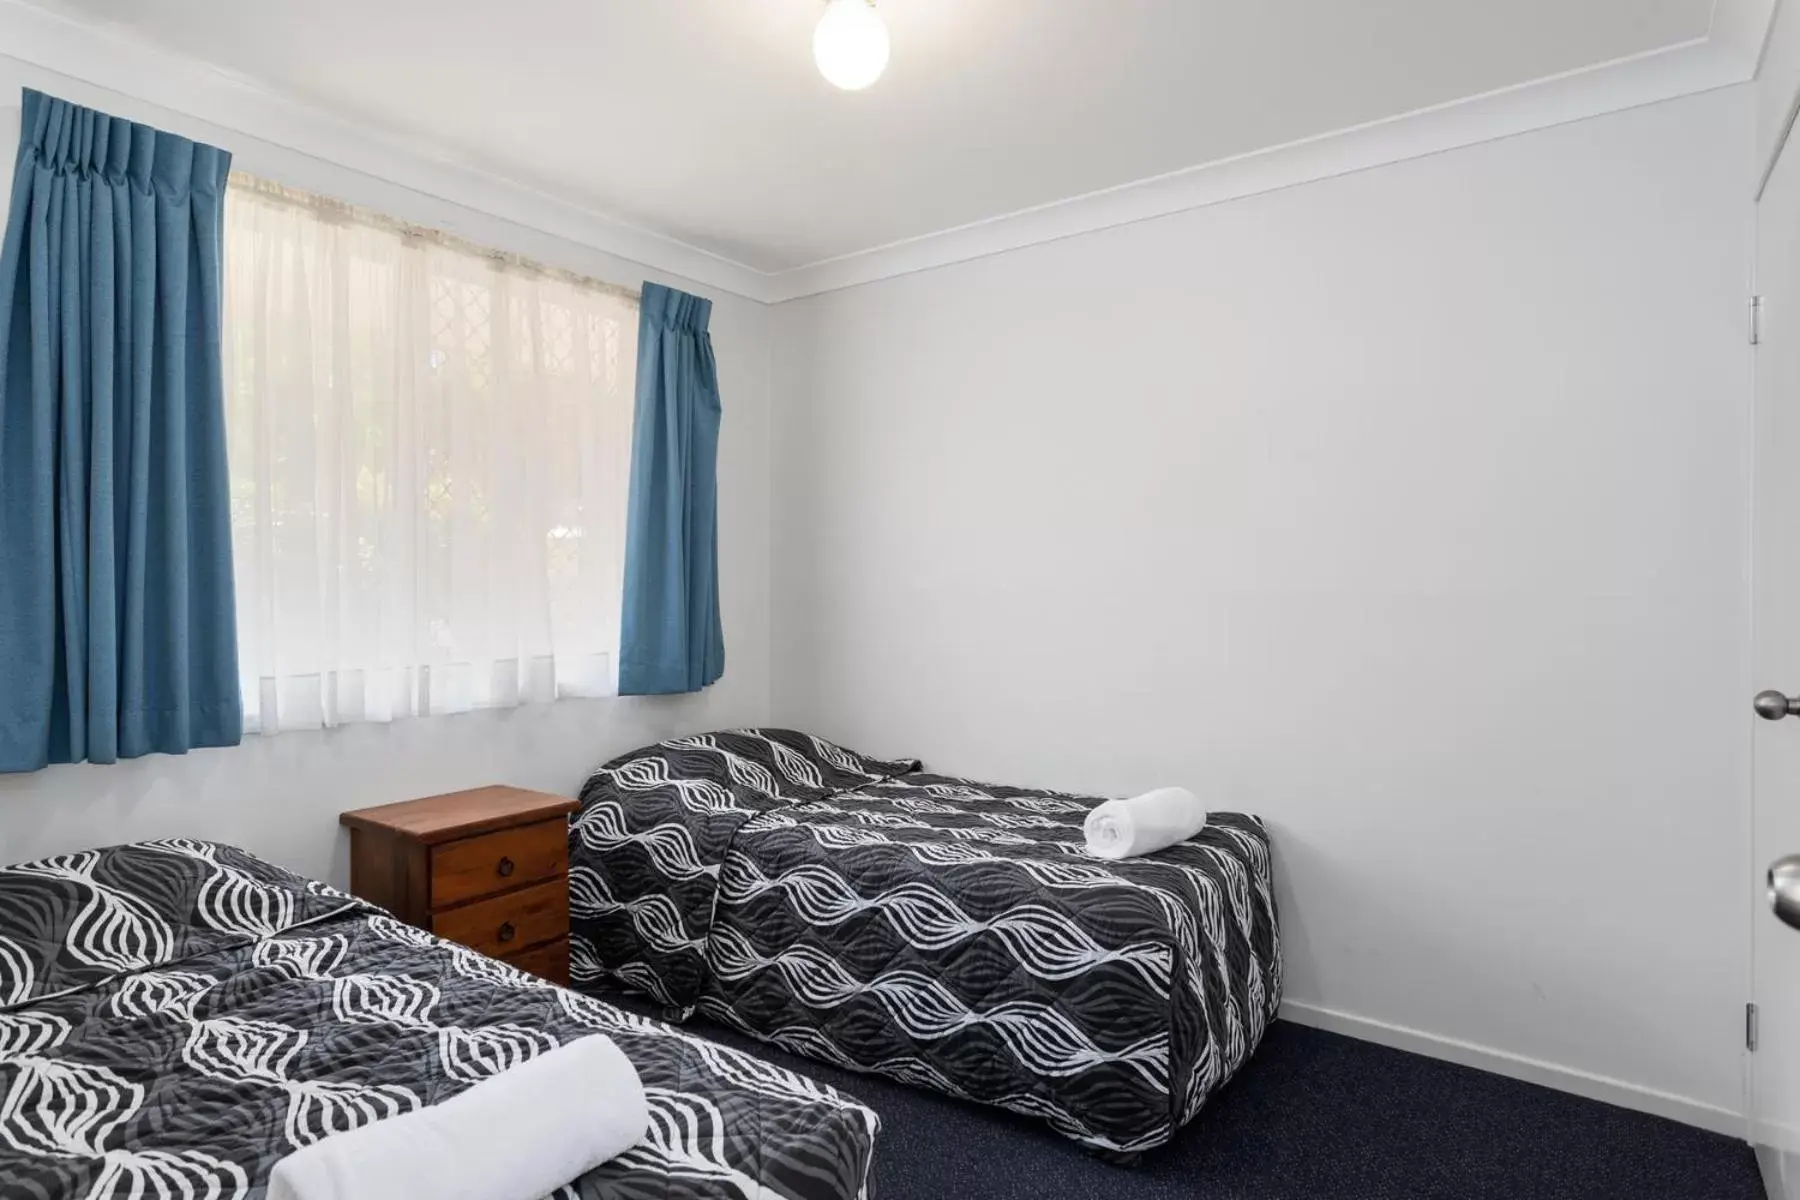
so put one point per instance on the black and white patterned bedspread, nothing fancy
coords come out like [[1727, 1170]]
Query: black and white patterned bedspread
[[176, 1016], [944, 932]]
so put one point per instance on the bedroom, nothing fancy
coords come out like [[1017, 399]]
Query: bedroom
[[1346, 412]]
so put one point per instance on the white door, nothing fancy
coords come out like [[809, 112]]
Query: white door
[[1775, 1067]]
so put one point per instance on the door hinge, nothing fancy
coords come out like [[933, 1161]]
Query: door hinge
[[1750, 1027], [1756, 307]]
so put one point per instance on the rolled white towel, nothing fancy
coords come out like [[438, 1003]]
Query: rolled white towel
[[518, 1135], [1144, 824]]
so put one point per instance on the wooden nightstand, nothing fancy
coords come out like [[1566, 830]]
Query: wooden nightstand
[[488, 868]]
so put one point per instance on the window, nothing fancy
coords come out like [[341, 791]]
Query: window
[[430, 451]]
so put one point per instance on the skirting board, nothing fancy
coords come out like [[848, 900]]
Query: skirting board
[[1780, 1173], [1514, 1066]]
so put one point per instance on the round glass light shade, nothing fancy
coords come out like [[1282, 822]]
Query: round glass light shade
[[851, 44]]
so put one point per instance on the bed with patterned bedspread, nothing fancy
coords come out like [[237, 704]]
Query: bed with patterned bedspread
[[176, 1016], [947, 933]]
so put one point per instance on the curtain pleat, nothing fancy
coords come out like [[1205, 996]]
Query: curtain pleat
[[671, 639], [117, 633]]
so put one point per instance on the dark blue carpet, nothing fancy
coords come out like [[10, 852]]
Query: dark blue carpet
[[1314, 1116]]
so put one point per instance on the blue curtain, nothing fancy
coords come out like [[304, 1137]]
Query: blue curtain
[[117, 620], [670, 637]]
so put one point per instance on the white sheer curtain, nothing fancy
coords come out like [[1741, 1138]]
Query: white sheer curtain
[[430, 450]]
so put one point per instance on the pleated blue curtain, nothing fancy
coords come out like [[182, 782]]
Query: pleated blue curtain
[[670, 637], [117, 621]]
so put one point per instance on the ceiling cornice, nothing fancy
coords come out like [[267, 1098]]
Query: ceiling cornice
[[108, 66], [1728, 55], [200, 100]]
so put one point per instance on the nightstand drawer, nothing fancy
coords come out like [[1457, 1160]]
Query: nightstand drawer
[[473, 867], [549, 961], [507, 924]]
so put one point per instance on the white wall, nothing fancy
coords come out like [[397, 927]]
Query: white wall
[[1408, 509], [280, 796]]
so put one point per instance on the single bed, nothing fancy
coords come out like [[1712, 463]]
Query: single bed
[[176, 1016], [944, 932]]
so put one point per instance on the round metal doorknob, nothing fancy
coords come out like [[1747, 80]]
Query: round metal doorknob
[[1784, 889], [1772, 706]]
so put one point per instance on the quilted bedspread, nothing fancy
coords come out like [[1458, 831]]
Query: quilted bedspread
[[176, 1016], [941, 931]]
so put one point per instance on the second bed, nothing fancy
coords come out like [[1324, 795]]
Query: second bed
[[947, 933]]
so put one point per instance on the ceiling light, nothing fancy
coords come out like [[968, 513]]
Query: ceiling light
[[851, 44]]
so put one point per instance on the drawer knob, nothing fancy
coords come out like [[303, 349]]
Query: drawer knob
[[505, 868], [507, 931]]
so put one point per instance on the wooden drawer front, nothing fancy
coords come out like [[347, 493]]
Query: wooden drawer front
[[493, 862], [503, 925], [549, 961]]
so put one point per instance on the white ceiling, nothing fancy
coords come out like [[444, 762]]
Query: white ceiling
[[704, 120]]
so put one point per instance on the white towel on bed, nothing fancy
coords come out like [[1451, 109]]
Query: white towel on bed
[[1144, 824], [518, 1135]]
